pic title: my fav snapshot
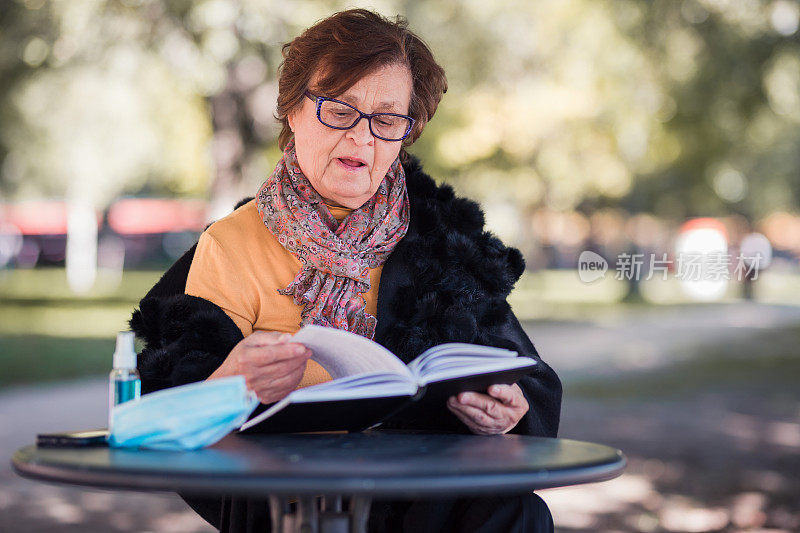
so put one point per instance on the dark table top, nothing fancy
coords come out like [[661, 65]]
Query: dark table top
[[370, 463]]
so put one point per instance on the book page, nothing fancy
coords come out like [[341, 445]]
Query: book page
[[343, 353], [457, 350], [372, 385], [445, 370], [458, 360]]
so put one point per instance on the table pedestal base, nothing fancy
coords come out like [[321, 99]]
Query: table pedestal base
[[319, 514]]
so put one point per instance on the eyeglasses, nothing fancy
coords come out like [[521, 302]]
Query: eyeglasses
[[341, 116]]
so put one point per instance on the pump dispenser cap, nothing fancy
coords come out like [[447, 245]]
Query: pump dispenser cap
[[125, 353]]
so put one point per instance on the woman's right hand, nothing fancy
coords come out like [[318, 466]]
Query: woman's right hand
[[272, 367]]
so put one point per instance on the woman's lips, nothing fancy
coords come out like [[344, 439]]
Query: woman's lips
[[350, 165]]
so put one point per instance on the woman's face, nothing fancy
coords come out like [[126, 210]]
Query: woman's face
[[330, 158]]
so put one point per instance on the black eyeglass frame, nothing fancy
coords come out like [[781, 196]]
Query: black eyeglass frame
[[320, 99]]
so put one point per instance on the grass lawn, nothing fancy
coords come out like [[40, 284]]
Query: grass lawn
[[37, 358], [48, 333]]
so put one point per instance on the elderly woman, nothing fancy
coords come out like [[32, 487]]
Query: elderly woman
[[348, 232]]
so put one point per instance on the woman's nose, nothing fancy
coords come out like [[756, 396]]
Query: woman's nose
[[360, 132]]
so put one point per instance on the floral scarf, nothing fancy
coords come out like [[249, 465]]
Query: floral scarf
[[336, 257]]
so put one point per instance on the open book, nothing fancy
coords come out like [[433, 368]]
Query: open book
[[370, 384]]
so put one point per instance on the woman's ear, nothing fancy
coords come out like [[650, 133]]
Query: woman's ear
[[290, 117]]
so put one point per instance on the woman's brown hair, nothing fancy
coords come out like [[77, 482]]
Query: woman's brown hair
[[349, 45]]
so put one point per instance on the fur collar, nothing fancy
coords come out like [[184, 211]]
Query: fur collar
[[447, 280]]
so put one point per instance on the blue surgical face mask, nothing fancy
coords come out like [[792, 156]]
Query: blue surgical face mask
[[187, 417]]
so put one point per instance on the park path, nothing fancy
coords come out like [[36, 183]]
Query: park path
[[599, 349], [646, 339]]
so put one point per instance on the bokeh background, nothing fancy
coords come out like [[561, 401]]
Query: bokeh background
[[613, 126]]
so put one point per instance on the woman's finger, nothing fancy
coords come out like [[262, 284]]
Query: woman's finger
[[266, 355], [469, 414], [279, 375], [477, 418], [502, 393], [491, 411], [276, 388], [510, 395], [480, 401], [278, 367], [275, 371], [266, 338], [271, 390]]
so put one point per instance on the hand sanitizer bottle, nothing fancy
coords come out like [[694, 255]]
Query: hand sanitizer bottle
[[124, 383]]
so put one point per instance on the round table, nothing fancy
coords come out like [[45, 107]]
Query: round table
[[358, 465]]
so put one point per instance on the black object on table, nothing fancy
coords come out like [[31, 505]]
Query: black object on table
[[362, 466]]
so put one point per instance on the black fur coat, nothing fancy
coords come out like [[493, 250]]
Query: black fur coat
[[446, 281]]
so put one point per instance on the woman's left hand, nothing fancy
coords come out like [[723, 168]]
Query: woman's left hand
[[491, 414]]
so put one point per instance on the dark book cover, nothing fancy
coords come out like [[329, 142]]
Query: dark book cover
[[362, 413], [336, 415]]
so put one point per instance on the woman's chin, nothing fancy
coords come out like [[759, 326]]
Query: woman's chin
[[349, 190], [349, 201]]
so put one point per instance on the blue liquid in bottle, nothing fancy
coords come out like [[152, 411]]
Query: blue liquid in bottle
[[124, 383], [127, 389]]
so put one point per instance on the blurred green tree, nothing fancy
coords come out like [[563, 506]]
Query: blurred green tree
[[731, 71], [673, 107]]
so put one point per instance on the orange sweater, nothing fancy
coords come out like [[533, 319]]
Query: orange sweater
[[239, 265]]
